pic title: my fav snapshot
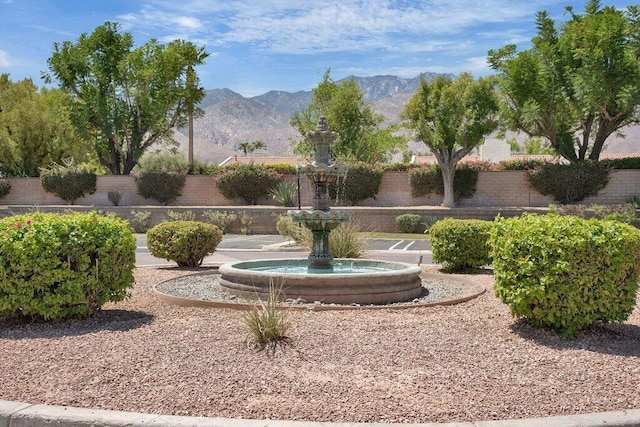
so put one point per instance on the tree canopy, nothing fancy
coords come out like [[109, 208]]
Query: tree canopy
[[359, 126], [452, 117], [35, 128], [578, 83], [127, 99]]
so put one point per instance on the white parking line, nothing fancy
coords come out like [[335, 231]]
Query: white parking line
[[397, 244], [409, 245]]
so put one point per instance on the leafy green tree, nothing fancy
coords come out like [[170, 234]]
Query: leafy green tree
[[361, 136], [452, 117], [578, 83], [250, 147], [35, 128], [127, 99]]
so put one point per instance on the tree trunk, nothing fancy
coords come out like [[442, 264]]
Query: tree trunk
[[448, 173], [190, 150]]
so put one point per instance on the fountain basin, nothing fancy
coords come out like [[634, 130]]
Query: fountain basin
[[352, 281]]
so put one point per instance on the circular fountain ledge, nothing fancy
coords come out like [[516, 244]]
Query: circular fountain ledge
[[352, 281]]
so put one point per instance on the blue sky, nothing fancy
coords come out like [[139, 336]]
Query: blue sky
[[263, 45]]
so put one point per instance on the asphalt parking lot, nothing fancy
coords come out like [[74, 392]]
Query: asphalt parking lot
[[240, 247]]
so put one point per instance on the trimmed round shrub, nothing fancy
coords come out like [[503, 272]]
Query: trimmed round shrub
[[185, 242], [566, 272], [408, 223], [569, 183], [362, 182], [461, 244], [164, 187], [249, 182], [56, 266]]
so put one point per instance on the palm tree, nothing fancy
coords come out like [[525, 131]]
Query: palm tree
[[250, 147], [194, 56]]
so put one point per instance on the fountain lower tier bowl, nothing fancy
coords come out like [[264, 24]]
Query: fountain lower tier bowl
[[320, 220], [352, 281]]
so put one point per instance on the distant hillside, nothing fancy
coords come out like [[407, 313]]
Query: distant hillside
[[231, 119]]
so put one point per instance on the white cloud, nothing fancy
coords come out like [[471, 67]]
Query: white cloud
[[4, 59], [291, 26]]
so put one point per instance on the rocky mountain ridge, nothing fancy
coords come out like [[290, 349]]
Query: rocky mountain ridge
[[231, 119]]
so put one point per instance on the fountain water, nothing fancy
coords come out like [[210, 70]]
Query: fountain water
[[316, 278]]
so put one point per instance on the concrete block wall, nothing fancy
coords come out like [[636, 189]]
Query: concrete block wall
[[494, 189]]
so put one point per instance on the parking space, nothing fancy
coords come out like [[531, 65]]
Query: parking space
[[397, 245]]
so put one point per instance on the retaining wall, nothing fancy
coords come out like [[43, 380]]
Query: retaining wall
[[494, 189], [503, 192]]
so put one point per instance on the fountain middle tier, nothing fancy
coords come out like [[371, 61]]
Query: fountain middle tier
[[323, 172], [320, 220]]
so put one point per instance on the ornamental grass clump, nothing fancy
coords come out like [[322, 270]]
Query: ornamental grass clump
[[461, 244], [185, 242], [266, 322], [566, 272], [55, 266]]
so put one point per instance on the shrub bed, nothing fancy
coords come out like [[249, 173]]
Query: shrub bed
[[55, 266], [461, 244], [566, 272], [185, 242]]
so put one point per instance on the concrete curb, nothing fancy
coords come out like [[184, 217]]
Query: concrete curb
[[18, 414]]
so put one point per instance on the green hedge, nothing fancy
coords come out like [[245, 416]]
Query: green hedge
[[569, 183], [461, 244], [566, 272], [55, 266], [428, 180], [164, 187], [249, 182], [185, 242], [5, 187], [362, 182], [408, 223], [69, 186]]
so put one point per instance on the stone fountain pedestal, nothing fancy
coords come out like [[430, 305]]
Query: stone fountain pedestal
[[318, 278]]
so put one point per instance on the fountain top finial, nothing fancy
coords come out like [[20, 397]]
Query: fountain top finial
[[322, 124]]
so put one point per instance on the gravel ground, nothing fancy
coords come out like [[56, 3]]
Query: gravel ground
[[470, 361]]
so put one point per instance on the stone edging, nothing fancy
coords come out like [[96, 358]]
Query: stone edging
[[475, 292]]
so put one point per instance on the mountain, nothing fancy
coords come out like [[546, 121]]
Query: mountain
[[231, 118]]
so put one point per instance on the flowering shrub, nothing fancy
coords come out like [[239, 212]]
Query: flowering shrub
[[55, 266], [249, 182]]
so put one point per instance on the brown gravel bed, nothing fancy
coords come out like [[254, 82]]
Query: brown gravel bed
[[470, 361]]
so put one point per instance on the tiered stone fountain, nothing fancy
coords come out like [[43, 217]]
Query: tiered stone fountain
[[319, 278]]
